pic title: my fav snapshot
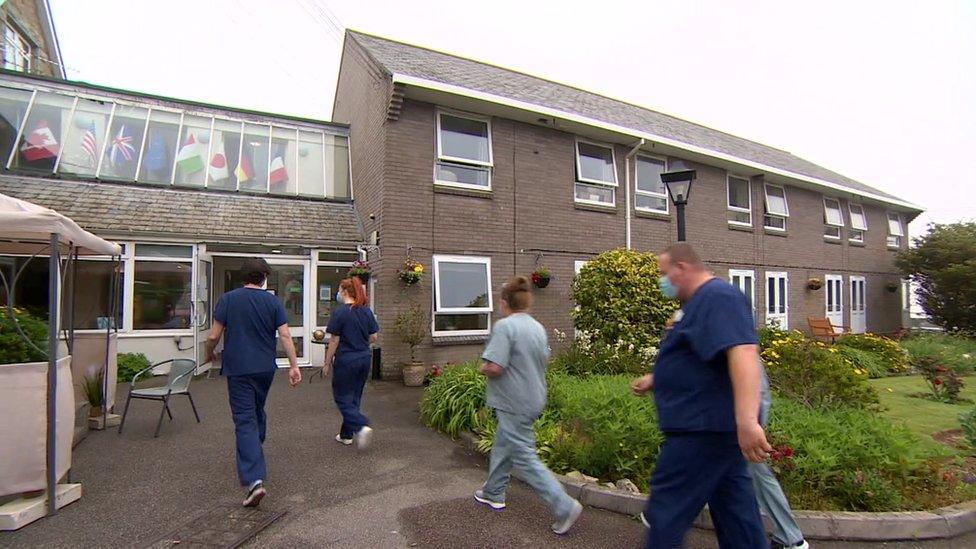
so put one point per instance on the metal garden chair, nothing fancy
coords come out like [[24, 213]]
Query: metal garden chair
[[177, 383]]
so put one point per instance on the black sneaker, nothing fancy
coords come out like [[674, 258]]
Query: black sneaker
[[255, 494]]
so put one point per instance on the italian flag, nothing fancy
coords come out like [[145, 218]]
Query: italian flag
[[189, 160]]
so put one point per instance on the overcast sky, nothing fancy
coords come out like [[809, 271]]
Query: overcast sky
[[881, 91]]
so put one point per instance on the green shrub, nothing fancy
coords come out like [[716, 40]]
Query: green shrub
[[583, 359], [955, 352], [815, 375], [453, 400], [968, 423], [620, 303], [843, 458], [13, 347], [864, 360], [129, 365], [892, 356], [769, 334]]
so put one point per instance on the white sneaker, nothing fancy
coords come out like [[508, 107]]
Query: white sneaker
[[574, 515], [364, 437], [644, 520], [254, 494], [346, 441], [479, 496]]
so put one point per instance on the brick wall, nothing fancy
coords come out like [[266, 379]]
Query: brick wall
[[530, 218], [24, 16]]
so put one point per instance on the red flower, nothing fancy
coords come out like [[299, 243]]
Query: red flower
[[940, 369], [787, 451], [536, 277], [937, 381], [947, 476]]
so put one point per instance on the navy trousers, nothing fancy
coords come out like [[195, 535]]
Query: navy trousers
[[348, 381], [248, 394], [698, 468]]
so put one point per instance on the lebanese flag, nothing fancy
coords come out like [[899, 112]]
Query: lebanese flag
[[218, 162], [278, 173], [244, 171], [40, 144]]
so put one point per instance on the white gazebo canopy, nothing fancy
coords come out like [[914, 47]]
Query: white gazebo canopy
[[27, 228]]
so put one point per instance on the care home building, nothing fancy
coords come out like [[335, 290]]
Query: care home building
[[480, 172]]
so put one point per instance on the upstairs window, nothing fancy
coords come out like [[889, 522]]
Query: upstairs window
[[16, 50], [596, 174], [895, 230], [776, 209], [463, 151], [833, 219], [651, 195], [740, 201], [859, 222]]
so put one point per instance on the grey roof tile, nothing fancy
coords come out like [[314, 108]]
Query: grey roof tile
[[400, 58], [101, 207]]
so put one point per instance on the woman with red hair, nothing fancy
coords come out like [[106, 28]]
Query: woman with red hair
[[352, 330]]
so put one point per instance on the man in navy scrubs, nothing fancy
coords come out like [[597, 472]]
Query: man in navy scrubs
[[706, 388]]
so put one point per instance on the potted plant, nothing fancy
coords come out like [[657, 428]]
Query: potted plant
[[411, 326], [411, 273], [891, 287], [814, 284], [361, 269], [92, 385], [541, 276]]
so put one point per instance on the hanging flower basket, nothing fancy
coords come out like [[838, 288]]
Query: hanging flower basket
[[541, 277], [891, 287], [361, 269], [411, 273], [814, 284]]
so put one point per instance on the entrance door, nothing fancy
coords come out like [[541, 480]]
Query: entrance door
[[834, 299], [858, 305], [777, 300], [202, 306], [289, 282]]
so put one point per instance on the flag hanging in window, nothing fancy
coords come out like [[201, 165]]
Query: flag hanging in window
[[122, 150], [190, 158], [89, 146], [40, 144]]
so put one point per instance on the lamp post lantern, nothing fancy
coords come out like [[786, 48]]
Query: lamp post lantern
[[679, 187]]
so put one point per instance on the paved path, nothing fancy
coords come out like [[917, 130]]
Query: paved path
[[412, 489]]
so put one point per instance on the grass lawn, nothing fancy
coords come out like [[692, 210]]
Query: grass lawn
[[922, 416]]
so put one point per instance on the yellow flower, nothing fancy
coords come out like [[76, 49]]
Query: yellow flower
[[832, 350], [890, 390], [418, 268]]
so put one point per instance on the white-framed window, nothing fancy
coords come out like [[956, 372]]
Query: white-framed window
[[776, 208], [464, 157], [740, 201], [161, 287], [896, 230], [16, 50], [833, 218], [777, 299], [859, 222], [596, 174], [746, 282], [651, 195], [462, 295]]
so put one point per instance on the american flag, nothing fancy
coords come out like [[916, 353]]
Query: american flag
[[121, 146], [88, 144]]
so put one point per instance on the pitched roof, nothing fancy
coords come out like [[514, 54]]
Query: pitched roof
[[105, 208], [398, 58]]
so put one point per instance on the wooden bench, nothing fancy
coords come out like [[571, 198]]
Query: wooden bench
[[823, 328]]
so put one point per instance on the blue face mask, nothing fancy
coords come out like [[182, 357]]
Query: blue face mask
[[667, 288], [339, 297]]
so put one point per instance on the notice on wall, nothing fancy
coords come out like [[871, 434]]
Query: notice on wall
[[325, 292]]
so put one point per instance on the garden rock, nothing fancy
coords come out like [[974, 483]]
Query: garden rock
[[627, 485], [576, 475]]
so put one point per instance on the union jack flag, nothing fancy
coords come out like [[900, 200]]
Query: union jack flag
[[88, 144], [121, 147]]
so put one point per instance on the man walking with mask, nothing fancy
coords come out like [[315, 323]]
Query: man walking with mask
[[249, 318], [706, 385]]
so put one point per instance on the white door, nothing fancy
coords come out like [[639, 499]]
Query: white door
[[859, 320], [202, 306], [746, 282], [777, 300], [834, 299], [289, 281]]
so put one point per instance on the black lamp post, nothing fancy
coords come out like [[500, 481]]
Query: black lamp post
[[679, 187]]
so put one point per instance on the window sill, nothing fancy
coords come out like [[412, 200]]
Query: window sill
[[830, 240], [440, 341], [775, 232], [462, 191], [743, 228], [595, 207], [856, 244], [646, 214], [894, 248]]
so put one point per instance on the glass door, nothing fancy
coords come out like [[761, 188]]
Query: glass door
[[858, 309], [834, 300], [289, 282], [202, 307]]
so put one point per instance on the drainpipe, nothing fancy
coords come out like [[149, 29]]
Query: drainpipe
[[627, 160]]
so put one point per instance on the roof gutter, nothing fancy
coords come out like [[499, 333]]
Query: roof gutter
[[639, 134], [627, 159]]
